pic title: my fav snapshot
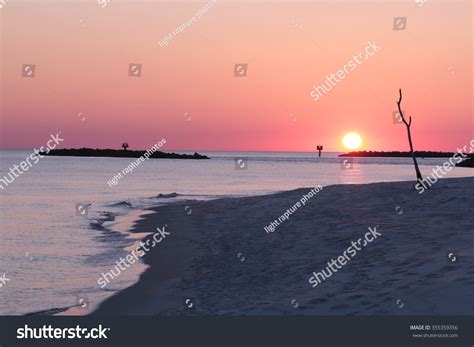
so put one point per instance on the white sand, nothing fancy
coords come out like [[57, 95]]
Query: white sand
[[408, 264]]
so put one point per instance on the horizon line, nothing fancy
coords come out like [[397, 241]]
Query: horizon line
[[257, 151]]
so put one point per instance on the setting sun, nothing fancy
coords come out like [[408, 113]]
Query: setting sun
[[352, 140]]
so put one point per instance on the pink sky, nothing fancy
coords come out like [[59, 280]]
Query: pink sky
[[85, 70]]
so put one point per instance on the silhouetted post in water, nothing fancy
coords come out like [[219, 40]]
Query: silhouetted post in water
[[319, 148], [125, 146], [419, 177]]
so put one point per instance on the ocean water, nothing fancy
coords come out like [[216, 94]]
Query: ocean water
[[53, 257]]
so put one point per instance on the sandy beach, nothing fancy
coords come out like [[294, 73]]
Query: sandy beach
[[220, 258]]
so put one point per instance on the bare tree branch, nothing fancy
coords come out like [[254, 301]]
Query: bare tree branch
[[419, 177], [400, 109]]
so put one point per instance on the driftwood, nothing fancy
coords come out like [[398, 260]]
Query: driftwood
[[419, 177]]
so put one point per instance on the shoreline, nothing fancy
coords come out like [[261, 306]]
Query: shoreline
[[120, 224], [220, 258]]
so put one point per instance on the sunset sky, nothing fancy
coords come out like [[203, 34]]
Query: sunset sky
[[82, 51]]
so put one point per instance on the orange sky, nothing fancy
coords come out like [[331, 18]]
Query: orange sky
[[82, 54]]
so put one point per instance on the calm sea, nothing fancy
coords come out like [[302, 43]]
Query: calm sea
[[52, 257]]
